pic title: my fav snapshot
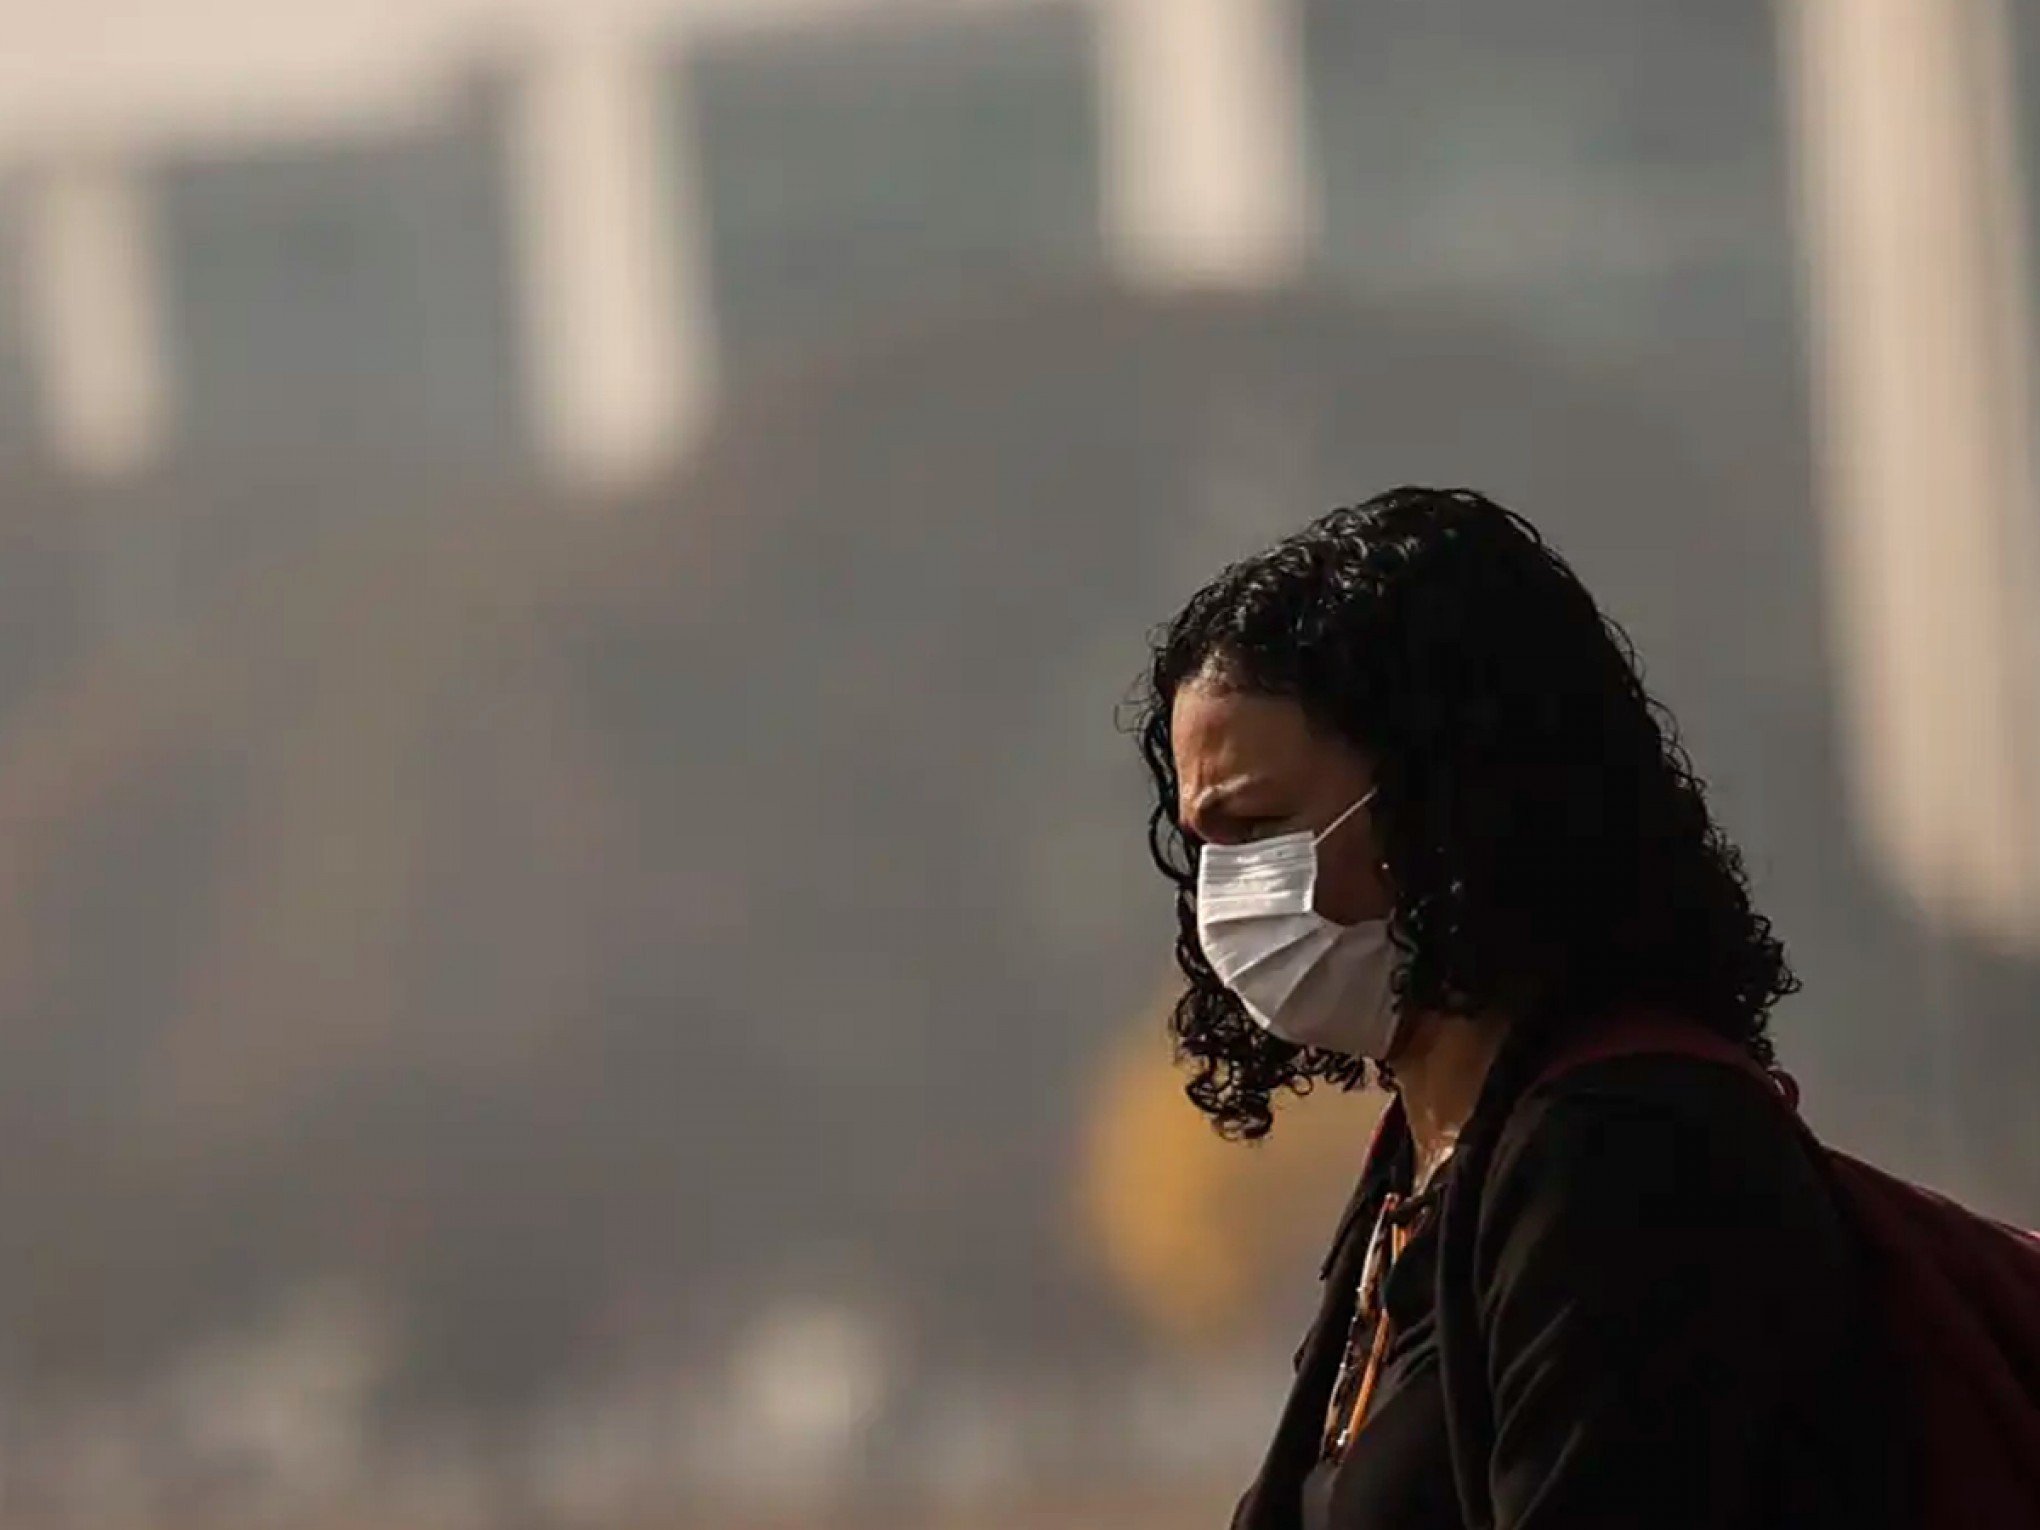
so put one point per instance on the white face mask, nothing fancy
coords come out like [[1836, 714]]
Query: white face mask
[[1302, 977]]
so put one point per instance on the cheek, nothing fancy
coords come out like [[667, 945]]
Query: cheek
[[1351, 888]]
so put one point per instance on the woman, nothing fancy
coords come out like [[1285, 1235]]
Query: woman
[[1422, 815]]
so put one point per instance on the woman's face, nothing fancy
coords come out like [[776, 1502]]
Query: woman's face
[[1250, 766]]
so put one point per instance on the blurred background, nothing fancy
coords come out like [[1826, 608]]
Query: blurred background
[[575, 940]]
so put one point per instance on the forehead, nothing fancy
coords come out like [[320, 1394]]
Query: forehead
[[1221, 735]]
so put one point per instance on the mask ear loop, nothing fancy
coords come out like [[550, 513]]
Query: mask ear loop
[[1360, 802]]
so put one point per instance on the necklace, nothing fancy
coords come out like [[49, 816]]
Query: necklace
[[1370, 1331], [1366, 1337], [1428, 1171]]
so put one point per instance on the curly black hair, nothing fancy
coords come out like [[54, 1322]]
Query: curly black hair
[[1546, 839]]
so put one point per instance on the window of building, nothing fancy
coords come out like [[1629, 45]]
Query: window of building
[[349, 298], [19, 426], [863, 168], [1604, 167]]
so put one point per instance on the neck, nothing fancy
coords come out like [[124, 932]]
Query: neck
[[1439, 1068]]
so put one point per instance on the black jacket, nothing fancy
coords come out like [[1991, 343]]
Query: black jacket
[[1650, 1312]]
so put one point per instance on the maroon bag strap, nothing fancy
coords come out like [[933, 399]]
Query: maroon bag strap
[[1645, 1034]]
